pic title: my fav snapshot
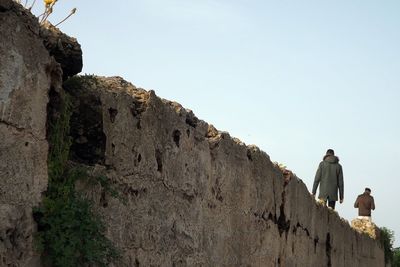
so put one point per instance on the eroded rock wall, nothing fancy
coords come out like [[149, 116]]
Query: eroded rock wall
[[27, 74], [192, 196], [196, 196]]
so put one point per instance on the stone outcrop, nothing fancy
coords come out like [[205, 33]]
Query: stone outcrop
[[65, 49], [27, 74], [190, 195], [196, 196]]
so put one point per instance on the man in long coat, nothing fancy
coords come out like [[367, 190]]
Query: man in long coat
[[329, 177]]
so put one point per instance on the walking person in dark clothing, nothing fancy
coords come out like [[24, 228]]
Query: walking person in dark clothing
[[329, 178], [365, 203]]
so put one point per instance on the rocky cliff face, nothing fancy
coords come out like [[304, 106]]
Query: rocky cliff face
[[192, 196], [27, 74], [196, 196]]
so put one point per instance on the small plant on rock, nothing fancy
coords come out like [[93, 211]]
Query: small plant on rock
[[48, 10]]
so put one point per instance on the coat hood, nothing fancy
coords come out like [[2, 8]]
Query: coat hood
[[331, 159]]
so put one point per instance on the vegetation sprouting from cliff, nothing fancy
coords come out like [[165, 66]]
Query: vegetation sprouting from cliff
[[396, 257], [392, 255], [69, 232]]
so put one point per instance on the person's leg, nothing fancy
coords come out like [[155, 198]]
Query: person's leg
[[331, 204]]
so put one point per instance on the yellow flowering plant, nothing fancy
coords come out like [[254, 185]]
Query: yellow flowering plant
[[48, 10]]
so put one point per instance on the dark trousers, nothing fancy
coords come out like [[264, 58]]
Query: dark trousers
[[331, 204]]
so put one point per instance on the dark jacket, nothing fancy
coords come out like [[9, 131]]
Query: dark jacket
[[365, 203], [330, 178]]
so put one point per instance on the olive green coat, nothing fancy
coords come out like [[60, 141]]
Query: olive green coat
[[329, 177]]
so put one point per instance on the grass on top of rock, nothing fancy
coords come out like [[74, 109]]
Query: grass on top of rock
[[69, 233]]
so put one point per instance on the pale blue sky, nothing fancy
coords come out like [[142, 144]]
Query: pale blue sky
[[292, 77]]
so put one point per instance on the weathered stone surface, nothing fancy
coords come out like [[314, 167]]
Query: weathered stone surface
[[27, 73], [89, 140], [197, 197], [65, 49], [16, 227], [194, 196]]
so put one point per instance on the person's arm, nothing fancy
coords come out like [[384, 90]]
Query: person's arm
[[341, 183], [372, 204], [356, 203], [317, 179]]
